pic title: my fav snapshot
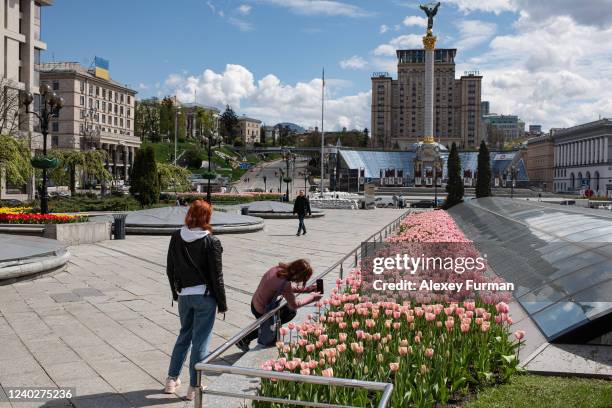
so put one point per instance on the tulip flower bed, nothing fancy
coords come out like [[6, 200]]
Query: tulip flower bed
[[21, 218], [14, 210], [433, 353]]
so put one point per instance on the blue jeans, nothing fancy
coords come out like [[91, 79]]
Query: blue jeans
[[301, 226], [197, 314]]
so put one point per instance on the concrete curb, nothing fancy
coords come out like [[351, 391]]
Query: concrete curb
[[37, 266], [218, 229]]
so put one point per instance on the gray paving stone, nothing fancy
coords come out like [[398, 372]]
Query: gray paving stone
[[115, 327]]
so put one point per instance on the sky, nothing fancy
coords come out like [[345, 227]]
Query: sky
[[548, 61]]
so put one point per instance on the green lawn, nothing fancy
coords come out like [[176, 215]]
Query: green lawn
[[535, 391]]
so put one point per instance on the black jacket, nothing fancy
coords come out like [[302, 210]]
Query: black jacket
[[206, 253], [301, 206]]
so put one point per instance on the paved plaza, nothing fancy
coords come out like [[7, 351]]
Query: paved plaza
[[106, 325]]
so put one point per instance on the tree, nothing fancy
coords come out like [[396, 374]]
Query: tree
[[145, 177], [193, 156], [228, 123], [483, 176], [173, 177], [454, 187], [15, 166], [73, 162], [146, 120], [10, 106], [166, 117]]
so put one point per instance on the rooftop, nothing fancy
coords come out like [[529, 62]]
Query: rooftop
[[78, 69]]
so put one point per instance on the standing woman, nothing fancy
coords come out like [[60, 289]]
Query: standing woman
[[196, 279]]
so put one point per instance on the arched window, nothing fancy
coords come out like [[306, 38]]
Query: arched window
[[588, 178], [572, 181], [597, 182]]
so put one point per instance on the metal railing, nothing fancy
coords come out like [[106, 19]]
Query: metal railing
[[206, 365]]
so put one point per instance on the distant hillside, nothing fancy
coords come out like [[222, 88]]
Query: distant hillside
[[294, 128]]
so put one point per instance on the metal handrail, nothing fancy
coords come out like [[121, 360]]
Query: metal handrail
[[256, 323], [386, 388]]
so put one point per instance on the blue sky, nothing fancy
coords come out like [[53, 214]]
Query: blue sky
[[265, 56]]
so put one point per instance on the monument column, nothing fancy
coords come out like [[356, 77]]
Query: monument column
[[429, 43]]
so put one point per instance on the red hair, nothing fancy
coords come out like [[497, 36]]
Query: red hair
[[199, 215]]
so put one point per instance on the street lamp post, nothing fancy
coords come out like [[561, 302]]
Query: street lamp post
[[211, 140], [280, 180], [265, 179], [51, 104], [512, 178], [176, 115], [288, 157]]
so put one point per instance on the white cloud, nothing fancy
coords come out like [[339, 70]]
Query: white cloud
[[271, 100], [473, 33], [492, 6], [401, 42], [242, 25], [244, 9], [549, 73], [354, 62], [325, 7], [415, 21], [591, 12], [383, 29]]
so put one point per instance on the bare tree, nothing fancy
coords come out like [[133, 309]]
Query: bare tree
[[11, 115]]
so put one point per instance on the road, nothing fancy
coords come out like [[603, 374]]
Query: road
[[254, 178]]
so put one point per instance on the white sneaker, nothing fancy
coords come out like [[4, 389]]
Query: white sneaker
[[191, 392], [171, 385]]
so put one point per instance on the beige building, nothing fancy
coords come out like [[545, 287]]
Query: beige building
[[98, 113], [190, 111], [20, 49], [540, 161], [250, 130], [398, 106]]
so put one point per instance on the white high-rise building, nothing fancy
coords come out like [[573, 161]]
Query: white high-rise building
[[20, 49]]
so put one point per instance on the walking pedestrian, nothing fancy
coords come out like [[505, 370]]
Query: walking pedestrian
[[301, 207], [194, 269], [278, 281]]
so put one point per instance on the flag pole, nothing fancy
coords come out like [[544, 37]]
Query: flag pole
[[322, 127]]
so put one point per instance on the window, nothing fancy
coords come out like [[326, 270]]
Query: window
[[129, 113], [97, 91], [121, 122], [90, 89], [104, 106], [116, 109], [82, 100], [121, 98], [103, 118], [115, 121], [121, 110], [82, 113], [104, 93], [55, 85], [82, 86], [129, 99], [55, 127], [129, 124]]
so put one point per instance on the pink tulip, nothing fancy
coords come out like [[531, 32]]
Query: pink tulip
[[429, 352], [394, 367], [502, 307], [328, 372], [284, 331], [519, 334], [355, 325], [305, 371], [342, 337], [310, 348], [291, 326]]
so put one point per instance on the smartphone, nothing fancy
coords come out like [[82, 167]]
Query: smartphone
[[320, 286]]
